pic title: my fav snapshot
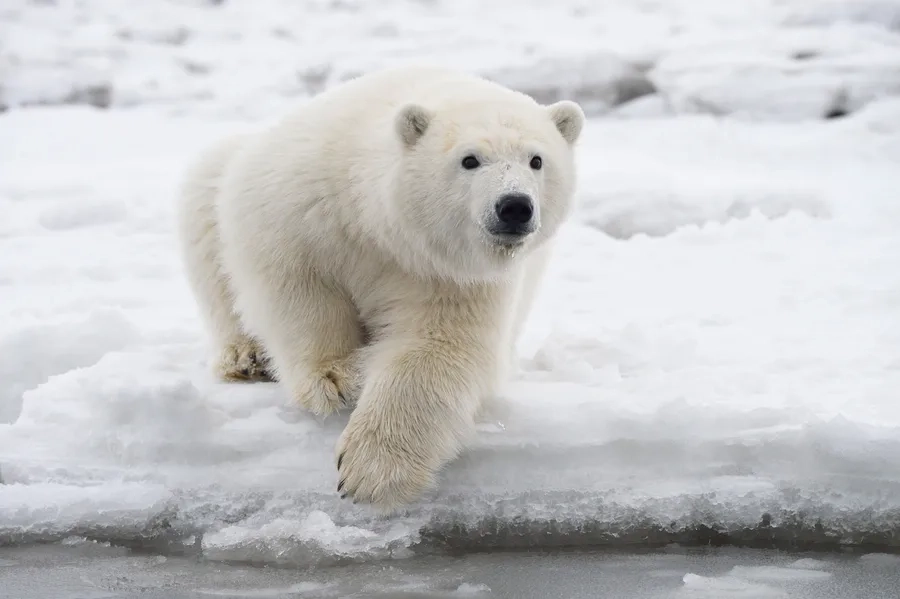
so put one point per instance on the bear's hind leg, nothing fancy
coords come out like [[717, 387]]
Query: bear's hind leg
[[311, 332], [239, 357]]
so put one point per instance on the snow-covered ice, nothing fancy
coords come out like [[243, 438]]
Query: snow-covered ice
[[783, 59], [715, 354]]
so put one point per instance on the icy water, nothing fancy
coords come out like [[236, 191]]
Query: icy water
[[86, 570]]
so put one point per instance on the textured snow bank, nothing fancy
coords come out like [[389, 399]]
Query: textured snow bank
[[726, 374], [760, 58]]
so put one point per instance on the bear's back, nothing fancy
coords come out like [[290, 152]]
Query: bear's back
[[367, 105]]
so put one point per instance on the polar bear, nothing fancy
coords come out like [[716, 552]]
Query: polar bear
[[379, 247]]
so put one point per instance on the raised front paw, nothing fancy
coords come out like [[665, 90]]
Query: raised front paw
[[330, 388], [379, 463]]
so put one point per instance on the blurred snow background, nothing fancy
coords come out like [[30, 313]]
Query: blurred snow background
[[787, 59], [715, 355]]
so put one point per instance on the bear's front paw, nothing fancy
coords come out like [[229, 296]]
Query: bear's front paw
[[330, 388], [376, 466], [243, 360]]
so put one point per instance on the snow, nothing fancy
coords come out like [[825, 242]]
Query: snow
[[467, 588], [752, 581], [762, 58], [715, 353]]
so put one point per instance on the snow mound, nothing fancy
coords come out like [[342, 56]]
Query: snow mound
[[877, 13], [311, 539], [778, 574], [597, 82], [802, 74], [751, 582], [728, 586], [656, 212]]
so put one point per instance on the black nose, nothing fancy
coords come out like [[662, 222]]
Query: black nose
[[515, 210]]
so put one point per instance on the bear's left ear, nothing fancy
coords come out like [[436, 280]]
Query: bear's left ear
[[568, 118], [411, 123]]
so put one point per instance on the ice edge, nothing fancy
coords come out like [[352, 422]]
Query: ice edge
[[518, 522]]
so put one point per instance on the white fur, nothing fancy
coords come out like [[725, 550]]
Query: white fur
[[349, 244]]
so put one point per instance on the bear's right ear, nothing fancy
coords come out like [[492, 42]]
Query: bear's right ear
[[411, 123], [568, 118]]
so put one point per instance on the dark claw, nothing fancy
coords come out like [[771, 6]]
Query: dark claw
[[245, 372], [341, 485], [340, 461], [344, 496]]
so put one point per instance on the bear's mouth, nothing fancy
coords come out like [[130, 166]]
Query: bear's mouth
[[506, 244], [511, 235], [509, 240]]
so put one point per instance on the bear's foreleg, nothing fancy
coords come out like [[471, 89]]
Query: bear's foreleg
[[421, 394]]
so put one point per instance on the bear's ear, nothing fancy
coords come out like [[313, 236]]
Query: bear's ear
[[568, 118], [411, 123]]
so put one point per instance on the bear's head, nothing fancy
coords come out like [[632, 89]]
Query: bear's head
[[481, 183]]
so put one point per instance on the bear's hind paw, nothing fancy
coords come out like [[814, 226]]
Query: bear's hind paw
[[330, 389], [244, 360]]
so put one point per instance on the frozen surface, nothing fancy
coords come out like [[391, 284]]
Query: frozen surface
[[715, 355], [770, 59], [81, 569]]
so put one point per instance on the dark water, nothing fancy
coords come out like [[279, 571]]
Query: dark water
[[91, 571]]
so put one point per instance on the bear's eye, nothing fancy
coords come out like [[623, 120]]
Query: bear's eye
[[470, 162], [536, 163]]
